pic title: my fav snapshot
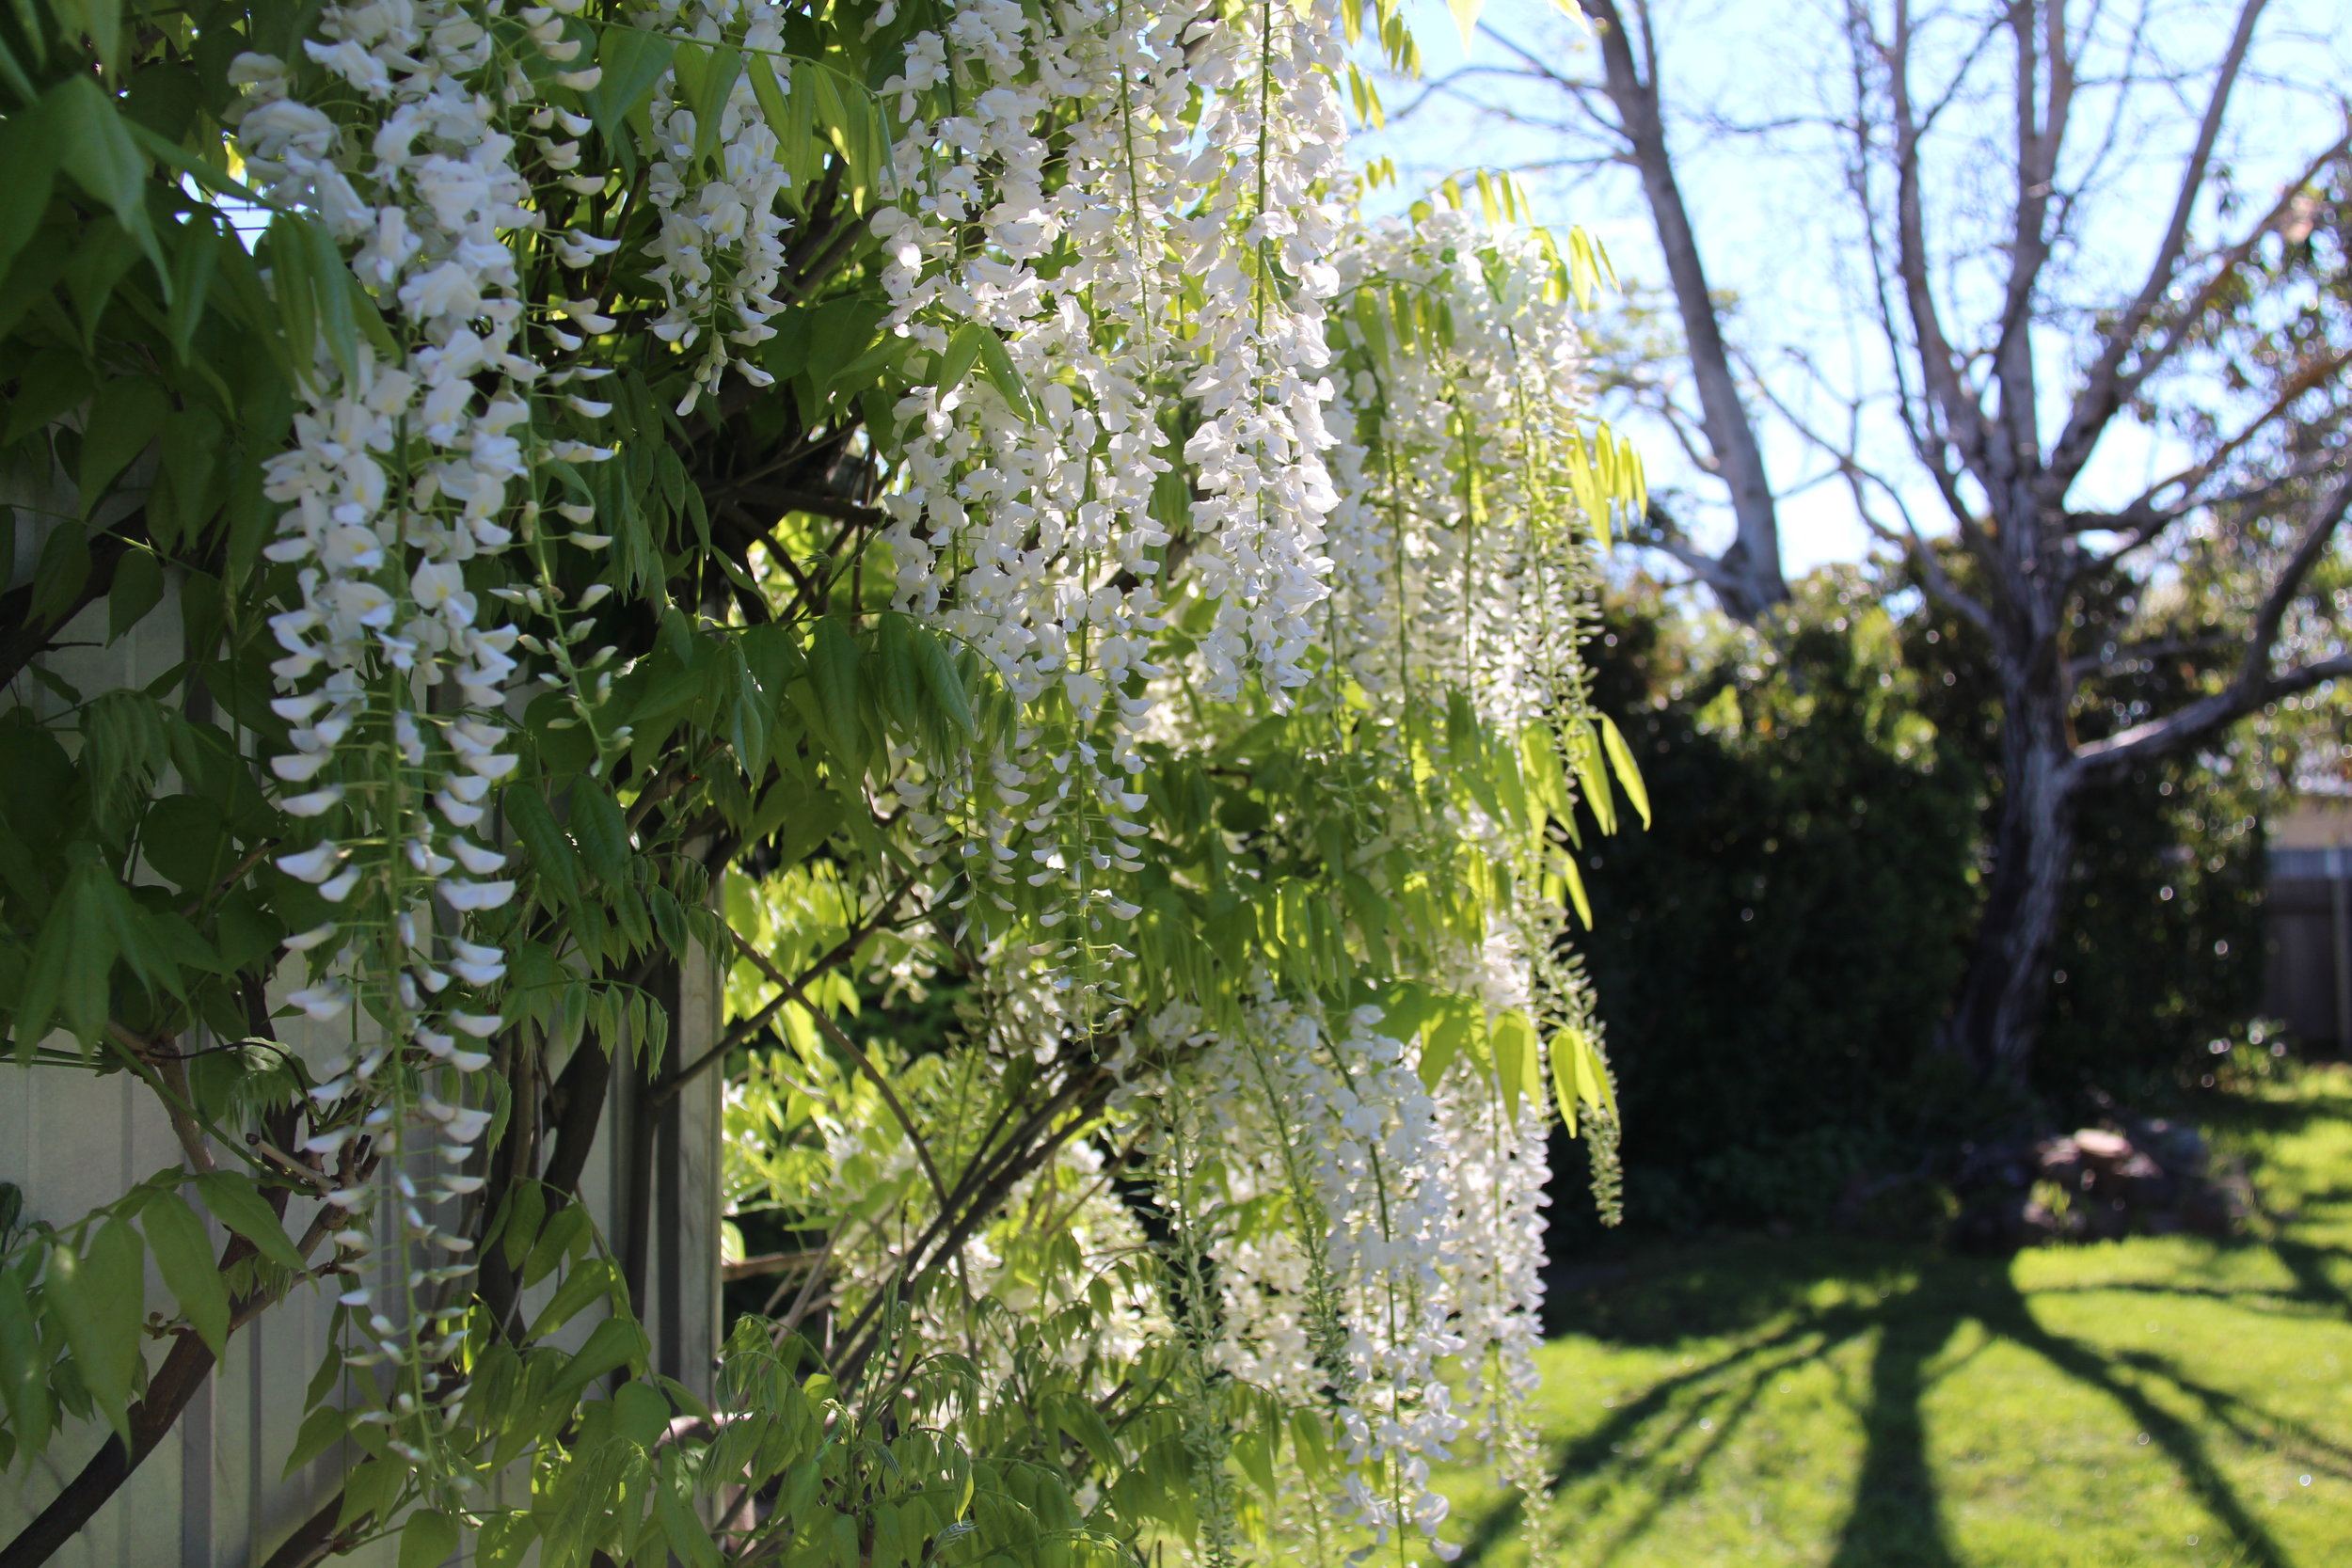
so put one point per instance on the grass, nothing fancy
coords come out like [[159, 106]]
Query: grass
[[1828, 1402]]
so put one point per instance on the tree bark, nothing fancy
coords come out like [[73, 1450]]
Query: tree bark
[[1747, 578], [1998, 1011]]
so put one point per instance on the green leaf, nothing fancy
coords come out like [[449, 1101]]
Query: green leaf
[[615, 1343], [427, 1540], [810, 822], [709, 95], [746, 716], [23, 1364], [601, 830], [196, 250], [686, 1536], [183, 1255], [28, 151], [1621, 763], [945, 681], [633, 60], [62, 572], [322, 1429], [288, 256], [102, 24], [346, 313], [640, 1413], [100, 1300], [771, 96], [963, 352], [103, 159], [370, 1491], [238, 1204], [997, 361], [563, 1237], [503, 1539], [138, 587], [797, 146], [833, 672], [590, 1282], [185, 841], [519, 1227], [37, 268], [73, 958], [551, 853], [330, 1366]]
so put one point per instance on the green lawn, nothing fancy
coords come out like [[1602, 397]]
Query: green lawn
[[1827, 1402]]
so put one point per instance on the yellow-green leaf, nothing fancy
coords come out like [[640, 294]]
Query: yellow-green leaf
[[1466, 17], [1621, 763], [1584, 755], [1516, 1069], [1575, 878], [1564, 1076]]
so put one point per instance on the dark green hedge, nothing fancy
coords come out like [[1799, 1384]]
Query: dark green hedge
[[1774, 957]]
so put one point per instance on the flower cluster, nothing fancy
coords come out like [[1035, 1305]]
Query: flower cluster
[[1416, 1184], [720, 253], [1180, 321], [1457, 551], [406, 454]]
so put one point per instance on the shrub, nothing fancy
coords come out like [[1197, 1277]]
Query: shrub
[[1776, 955]]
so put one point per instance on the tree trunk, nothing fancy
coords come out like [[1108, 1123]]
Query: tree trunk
[[2032, 850], [1747, 578]]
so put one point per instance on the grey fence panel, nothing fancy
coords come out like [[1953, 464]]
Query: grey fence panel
[[213, 1495]]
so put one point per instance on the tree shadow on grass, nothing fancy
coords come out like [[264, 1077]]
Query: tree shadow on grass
[[2010, 1317], [1895, 1519], [1602, 1449], [2309, 1264]]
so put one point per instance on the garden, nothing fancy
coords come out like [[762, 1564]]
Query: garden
[[901, 783]]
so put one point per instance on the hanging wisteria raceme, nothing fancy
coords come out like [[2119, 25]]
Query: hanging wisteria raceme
[[1357, 1304], [1400, 1292], [721, 248], [1415, 1171], [1190, 261], [407, 456], [1459, 549]]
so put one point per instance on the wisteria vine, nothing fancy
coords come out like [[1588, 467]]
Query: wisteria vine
[[1184, 436]]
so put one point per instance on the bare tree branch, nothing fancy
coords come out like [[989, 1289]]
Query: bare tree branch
[[2103, 389], [2255, 683], [1959, 419], [1858, 477]]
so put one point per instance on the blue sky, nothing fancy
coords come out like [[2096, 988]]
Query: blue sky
[[1765, 192]]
